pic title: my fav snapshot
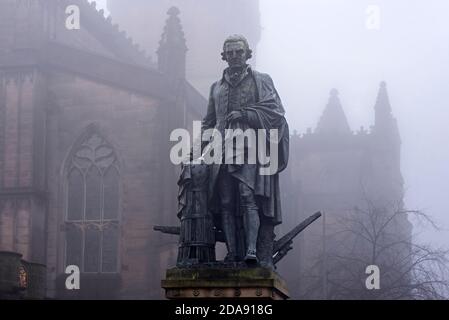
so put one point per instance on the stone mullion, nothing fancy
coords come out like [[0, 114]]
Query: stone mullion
[[11, 132], [26, 130], [19, 132], [23, 228], [2, 127], [83, 223], [101, 218]]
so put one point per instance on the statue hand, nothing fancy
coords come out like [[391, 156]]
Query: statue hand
[[234, 116]]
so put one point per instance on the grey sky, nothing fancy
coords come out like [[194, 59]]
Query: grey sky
[[311, 46]]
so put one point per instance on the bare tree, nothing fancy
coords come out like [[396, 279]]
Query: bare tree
[[382, 237]]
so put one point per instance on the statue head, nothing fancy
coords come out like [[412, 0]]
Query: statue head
[[236, 51]]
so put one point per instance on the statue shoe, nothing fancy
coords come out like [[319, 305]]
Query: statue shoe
[[251, 256]]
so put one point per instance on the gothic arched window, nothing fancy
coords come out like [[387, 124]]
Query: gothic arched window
[[93, 200]]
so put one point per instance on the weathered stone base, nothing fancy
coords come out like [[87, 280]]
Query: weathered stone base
[[241, 283], [20, 279]]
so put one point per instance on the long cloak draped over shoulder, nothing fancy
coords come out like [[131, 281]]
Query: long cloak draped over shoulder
[[268, 113]]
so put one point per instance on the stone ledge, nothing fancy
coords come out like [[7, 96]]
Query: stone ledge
[[250, 283]]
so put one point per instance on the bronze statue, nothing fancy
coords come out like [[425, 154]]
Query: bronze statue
[[233, 201], [246, 99]]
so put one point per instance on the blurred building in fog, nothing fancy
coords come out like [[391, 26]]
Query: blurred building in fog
[[337, 171], [85, 120], [206, 25]]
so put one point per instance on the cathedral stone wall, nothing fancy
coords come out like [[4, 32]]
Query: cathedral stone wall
[[132, 124]]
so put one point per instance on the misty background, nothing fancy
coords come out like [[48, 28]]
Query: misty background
[[312, 46]]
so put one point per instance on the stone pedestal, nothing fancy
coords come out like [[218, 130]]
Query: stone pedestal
[[224, 283], [20, 279]]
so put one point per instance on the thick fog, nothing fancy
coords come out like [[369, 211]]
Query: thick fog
[[311, 46]]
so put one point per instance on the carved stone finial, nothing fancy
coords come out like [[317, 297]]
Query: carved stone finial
[[334, 92], [172, 47], [173, 11], [333, 120]]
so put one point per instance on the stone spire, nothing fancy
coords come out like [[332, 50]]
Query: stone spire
[[172, 47], [385, 124], [382, 107], [333, 120]]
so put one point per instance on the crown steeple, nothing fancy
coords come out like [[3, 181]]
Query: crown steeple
[[385, 124], [333, 119], [382, 108], [172, 47]]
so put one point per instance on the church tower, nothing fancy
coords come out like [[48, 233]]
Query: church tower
[[23, 197], [206, 25], [333, 119], [386, 151], [172, 47]]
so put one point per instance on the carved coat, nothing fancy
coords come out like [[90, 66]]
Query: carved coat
[[262, 108]]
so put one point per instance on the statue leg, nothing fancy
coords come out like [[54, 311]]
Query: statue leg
[[250, 212], [265, 243], [226, 191]]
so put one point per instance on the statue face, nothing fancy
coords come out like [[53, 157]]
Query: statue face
[[235, 54]]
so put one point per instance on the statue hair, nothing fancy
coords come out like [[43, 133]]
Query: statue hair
[[237, 38]]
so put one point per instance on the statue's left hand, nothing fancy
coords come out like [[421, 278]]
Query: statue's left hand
[[234, 116]]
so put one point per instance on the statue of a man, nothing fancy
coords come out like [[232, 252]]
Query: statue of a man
[[240, 196]]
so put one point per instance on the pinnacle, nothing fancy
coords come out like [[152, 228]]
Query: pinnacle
[[173, 11]]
